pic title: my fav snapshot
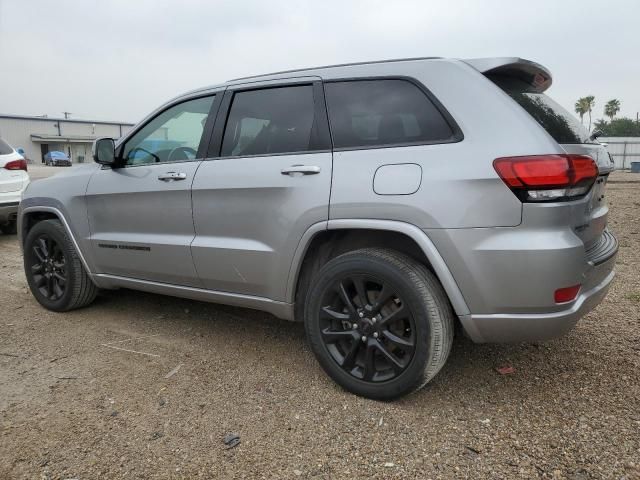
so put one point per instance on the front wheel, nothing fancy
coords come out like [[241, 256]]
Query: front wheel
[[378, 322], [54, 272]]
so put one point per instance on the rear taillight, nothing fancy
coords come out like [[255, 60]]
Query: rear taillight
[[547, 178], [16, 165]]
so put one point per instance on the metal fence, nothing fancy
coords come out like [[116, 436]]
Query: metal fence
[[623, 150]]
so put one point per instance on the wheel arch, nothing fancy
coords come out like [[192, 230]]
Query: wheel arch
[[326, 240], [30, 216]]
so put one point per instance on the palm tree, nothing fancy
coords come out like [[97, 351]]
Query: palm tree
[[591, 102], [585, 105], [581, 108], [612, 108]]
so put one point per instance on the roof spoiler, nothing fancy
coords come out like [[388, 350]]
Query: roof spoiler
[[534, 74]]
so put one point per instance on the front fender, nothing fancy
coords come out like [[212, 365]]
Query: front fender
[[54, 207]]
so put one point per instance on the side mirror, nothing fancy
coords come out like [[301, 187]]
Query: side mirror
[[104, 151]]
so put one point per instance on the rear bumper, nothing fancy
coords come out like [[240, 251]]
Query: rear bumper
[[505, 328], [9, 203], [8, 211]]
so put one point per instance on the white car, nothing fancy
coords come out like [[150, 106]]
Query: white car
[[13, 181]]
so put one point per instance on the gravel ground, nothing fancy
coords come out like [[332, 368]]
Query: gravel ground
[[77, 401]]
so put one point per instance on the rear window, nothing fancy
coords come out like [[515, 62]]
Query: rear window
[[386, 112], [5, 148], [558, 122]]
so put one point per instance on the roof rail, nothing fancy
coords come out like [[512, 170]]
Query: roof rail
[[334, 66]]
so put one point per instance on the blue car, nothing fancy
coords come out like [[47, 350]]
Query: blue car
[[56, 159]]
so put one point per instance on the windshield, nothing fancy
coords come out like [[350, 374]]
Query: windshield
[[558, 122]]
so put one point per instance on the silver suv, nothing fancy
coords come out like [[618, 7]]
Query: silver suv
[[379, 203]]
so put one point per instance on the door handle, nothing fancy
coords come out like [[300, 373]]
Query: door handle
[[296, 170], [169, 176]]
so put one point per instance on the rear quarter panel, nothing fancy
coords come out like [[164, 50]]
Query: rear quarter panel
[[459, 187]]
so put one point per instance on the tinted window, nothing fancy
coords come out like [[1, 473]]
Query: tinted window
[[558, 122], [5, 148], [172, 136], [274, 120], [382, 112]]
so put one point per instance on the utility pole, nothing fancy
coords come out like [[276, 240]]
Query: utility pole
[[66, 115]]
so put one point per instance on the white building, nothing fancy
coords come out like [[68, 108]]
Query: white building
[[36, 136]]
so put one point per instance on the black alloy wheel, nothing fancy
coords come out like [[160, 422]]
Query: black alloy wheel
[[54, 270], [48, 268], [378, 322], [367, 328]]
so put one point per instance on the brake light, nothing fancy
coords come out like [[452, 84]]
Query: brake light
[[16, 165], [539, 178], [564, 295]]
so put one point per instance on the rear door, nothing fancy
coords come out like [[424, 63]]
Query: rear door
[[140, 213], [266, 181]]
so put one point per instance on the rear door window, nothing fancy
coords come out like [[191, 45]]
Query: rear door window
[[558, 122], [271, 121], [385, 112]]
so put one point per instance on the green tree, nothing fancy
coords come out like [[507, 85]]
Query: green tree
[[619, 127], [601, 125], [611, 108], [585, 105], [581, 108], [591, 103]]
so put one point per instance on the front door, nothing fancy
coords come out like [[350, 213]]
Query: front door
[[140, 213], [266, 182]]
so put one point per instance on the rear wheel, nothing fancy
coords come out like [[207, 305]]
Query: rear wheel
[[53, 269], [378, 322]]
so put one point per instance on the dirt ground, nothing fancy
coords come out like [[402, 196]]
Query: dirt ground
[[144, 386]]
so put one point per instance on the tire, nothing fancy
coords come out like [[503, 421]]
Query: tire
[[410, 333], [49, 257], [9, 228]]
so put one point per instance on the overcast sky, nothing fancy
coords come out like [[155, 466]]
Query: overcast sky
[[119, 59]]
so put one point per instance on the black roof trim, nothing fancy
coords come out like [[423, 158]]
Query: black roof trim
[[336, 66]]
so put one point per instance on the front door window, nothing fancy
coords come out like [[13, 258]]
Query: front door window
[[172, 136]]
